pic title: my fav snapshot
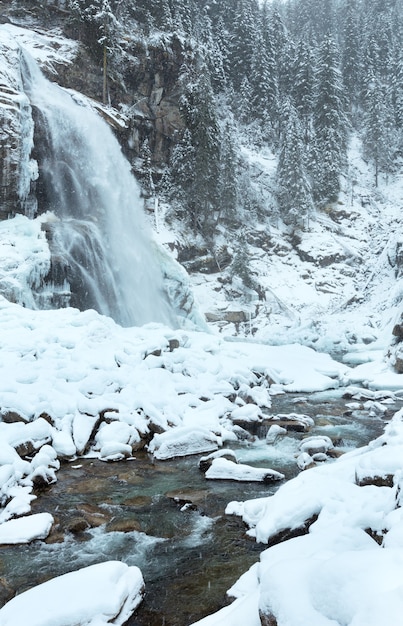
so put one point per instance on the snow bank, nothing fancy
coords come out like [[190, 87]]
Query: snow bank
[[347, 565], [106, 593], [74, 383]]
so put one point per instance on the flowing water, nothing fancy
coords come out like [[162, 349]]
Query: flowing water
[[103, 254], [189, 554]]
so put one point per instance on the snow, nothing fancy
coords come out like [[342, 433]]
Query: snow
[[336, 571], [182, 442], [80, 384], [224, 469], [93, 378], [103, 388], [48, 49], [26, 529], [106, 593]]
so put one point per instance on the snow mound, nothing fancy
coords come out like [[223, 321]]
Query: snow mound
[[106, 593]]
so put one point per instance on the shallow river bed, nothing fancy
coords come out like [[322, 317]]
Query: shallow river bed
[[136, 511]]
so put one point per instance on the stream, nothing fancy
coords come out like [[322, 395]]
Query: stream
[[166, 518]]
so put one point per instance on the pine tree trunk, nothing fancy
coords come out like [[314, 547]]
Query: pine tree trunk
[[104, 77]]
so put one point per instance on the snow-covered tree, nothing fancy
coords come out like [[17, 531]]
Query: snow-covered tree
[[200, 114], [228, 191], [293, 186], [263, 82], [302, 88], [330, 124], [379, 136], [242, 42], [100, 30]]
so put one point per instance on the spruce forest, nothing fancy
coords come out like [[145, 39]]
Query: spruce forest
[[298, 77]]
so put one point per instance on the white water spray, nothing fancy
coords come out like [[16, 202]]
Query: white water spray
[[100, 237]]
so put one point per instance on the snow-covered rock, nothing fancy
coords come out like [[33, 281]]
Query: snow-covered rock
[[106, 593], [315, 444], [224, 469], [337, 571], [274, 432], [183, 442], [26, 529]]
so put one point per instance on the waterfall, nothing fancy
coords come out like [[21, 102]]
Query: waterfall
[[102, 248]]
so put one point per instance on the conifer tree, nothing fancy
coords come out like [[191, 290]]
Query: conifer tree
[[179, 183], [263, 83], [199, 111], [242, 42], [351, 54], [293, 187], [378, 137], [100, 30], [330, 124], [302, 88], [228, 192]]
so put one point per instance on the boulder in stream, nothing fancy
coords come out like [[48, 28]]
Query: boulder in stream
[[223, 469], [183, 441]]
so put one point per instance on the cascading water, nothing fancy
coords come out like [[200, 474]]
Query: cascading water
[[101, 249]]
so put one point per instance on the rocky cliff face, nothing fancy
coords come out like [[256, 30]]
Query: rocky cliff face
[[143, 82]]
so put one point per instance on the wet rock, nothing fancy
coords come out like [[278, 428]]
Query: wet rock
[[85, 427], [188, 498], [48, 418], [155, 427], [11, 417], [26, 448], [320, 457], [291, 422], [56, 536], [137, 501], [123, 525], [183, 441], [361, 394], [319, 444], [305, 461], [267, 619], [398, 332], [334, 453], [77, 525], [115, 451], [6, 592], [94, 515], [385, 480], [173, 344]]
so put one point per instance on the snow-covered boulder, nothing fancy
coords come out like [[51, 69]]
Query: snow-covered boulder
[[25, 529], [106, 593], [304, 461], [183, 441], [115, 451], [297, 422], [316, 444], [274, 432], [223, 469]]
